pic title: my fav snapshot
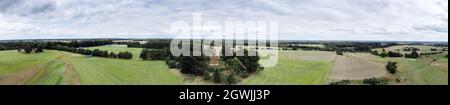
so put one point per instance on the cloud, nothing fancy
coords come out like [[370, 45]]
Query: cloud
[[298, 19]]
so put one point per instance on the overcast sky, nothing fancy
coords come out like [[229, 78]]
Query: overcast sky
[[418, 20]]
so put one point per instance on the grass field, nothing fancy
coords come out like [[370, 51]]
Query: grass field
[[67, 68], [292, 69], [12, 61]]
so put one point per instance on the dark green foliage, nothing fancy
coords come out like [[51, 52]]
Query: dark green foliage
[[125, 55], [112, 55], [155, 54], [250, 63], [339, 53], [231, 78], [173, 64], [394, 54], [342, 82], [375, 81], [391, 67], [217, 76], [414, 54]]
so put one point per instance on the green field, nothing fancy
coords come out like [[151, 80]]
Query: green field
[[12, 61], [66, 68], [292, 70]]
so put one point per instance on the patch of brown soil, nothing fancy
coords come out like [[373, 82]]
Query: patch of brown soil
[[20, 78]]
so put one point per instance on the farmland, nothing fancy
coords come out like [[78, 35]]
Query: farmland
[[294, 68], [56, 67]]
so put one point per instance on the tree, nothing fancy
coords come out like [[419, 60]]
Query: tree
[[250, 62], [392, 67], [39, 49], [125, 55], [394, 54], [383, 54], [231, 78], [172, 63], [97, 53], [112, 55], [414, 54], [28, 49], [206, 75], [104, 54], [217, 76]]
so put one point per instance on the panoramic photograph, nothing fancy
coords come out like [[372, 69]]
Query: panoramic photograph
[[223, 42]]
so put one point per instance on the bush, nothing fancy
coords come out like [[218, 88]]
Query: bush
[[342, 82], [391, 67], [339, 53], [374, 81]]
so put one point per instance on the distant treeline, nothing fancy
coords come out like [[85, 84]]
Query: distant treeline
[[151, 44], [96, 52], [345, 46], [73, 46]]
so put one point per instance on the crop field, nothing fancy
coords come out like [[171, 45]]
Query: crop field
[[352, 68], [295, 68]]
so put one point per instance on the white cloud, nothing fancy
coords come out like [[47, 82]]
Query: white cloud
[[299, 19]]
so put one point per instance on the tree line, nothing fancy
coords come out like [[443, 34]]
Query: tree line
[[73, 46], [151, 44], [95, 52]]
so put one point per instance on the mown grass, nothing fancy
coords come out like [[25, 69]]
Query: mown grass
[[12, 61], [118, 71], [92, 71]]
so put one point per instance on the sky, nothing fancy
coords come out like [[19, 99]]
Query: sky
[[399, 20]]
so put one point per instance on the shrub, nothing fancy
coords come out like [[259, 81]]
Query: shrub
[[342, 82], [374, 81]]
